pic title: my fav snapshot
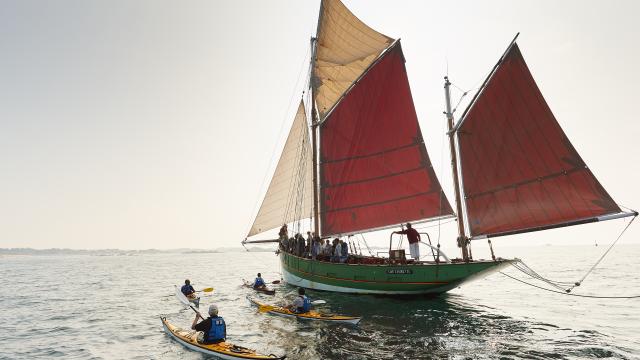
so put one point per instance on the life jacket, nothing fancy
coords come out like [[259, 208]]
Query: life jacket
[[306, 305], [217, 332], [187, 289], [258, 282]]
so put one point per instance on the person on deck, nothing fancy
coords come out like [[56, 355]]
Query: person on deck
[[326, 249], [188, 290], [337, 250], [414, 240], [301, 304], [345, 251], [316, 248], [214, 329], [307, 249], [300, 244], [258, 283], [283, 235]]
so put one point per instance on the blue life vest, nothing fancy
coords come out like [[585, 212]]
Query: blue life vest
[[306, 305], [217, 332], [258, 282], [187, 289]]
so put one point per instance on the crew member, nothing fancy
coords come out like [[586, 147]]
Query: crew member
[[414, 240], [214, 330]]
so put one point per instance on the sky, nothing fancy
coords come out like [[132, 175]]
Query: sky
[[157, 124]]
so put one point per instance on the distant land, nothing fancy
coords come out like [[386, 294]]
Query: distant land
[[120, 252]]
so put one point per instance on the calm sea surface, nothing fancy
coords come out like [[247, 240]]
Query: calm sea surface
[[109, 307]]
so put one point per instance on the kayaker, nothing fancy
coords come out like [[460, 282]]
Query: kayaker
[[301, 304], [214, 330], [188, 290], [258, 283]]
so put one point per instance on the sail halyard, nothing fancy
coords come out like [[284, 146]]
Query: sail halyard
[[521, 172]]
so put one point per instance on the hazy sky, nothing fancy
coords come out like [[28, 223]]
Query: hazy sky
[[140, 124]]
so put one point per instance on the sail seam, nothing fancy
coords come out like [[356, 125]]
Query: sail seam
[[373, 154], [381, 202], [398, 173]]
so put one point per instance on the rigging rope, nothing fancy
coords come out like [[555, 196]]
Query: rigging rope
[[566, 293], [565, 287], [606, 252]]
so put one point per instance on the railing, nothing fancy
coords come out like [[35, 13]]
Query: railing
[[435, 251]]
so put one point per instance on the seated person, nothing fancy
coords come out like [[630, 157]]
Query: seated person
[[344, 254], [188, 290], [301, 304], [214, 330], [259, 283]]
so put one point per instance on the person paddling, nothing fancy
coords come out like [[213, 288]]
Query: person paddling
[[258, 283], [301, 304], [188, 290], [214, 329]]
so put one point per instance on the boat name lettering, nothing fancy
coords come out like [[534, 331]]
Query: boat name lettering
[[399, 271]]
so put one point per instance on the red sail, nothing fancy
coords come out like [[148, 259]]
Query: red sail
[[520, 172], [375, 171]]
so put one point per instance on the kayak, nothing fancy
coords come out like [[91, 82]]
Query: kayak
[[311, 315], [223, 350], [264, 290], [195, 301]]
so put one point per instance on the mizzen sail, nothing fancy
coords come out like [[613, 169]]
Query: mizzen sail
[[375, 171], [520, 171], [290, 193], [345, 48]]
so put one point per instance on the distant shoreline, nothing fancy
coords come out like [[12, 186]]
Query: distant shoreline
[[111, 252]]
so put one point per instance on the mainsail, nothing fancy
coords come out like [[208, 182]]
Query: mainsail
[[520, 171], [375, 171], [345, 48], [289, 196]]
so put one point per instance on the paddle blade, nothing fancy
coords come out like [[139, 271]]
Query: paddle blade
[[317, 302], [207, 290], [275, 282]]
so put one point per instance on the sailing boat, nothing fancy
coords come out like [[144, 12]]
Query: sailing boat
[[357, 163]]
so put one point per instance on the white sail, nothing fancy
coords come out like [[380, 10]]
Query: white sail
[[345, 48], [290, 193]]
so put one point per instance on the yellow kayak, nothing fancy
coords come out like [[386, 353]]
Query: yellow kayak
[[223, 350], [311, 315]]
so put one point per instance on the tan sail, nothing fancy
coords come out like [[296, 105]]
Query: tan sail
[[345, 48], [290, 193]]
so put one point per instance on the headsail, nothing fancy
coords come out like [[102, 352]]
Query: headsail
[[375, 171], [345, 48], [520, 172], [289, 196]]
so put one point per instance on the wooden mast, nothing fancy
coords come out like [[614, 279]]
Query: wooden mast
[[462, 237], [314, 143]]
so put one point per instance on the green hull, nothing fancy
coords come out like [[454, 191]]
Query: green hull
[[424, 278]]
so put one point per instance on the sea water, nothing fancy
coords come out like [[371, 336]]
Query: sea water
[[109, 307]]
